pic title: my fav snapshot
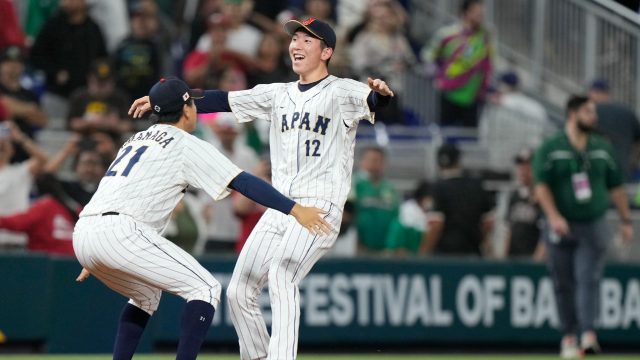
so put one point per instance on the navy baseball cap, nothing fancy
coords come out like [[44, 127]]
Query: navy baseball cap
[[316, 28], [169, 95], [600, 84]]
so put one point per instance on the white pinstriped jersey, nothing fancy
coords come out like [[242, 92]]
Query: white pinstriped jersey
[[153, 168], [312, 133]]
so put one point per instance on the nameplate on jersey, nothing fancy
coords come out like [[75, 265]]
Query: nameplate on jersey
[[159, 136], [302, 121]]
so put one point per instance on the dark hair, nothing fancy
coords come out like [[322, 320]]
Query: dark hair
[[422, 191], [575, 102], [467, 4], [448, 156], [76, 159], [172, 117]]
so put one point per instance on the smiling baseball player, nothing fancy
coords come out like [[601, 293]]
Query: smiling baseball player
[[312, 137], [117, 237]]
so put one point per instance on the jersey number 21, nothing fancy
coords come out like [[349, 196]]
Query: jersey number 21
[[132, 161]]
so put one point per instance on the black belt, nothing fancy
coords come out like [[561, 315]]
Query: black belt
[[110, 213]]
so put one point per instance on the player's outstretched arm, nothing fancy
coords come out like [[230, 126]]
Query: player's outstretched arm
[[263, 193]]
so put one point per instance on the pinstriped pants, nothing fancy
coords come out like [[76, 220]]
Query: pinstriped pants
[[281, 252], [135, 261]]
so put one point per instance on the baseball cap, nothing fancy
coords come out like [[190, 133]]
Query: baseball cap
[[600, 84], [524, 156], [317, 28], [101, 69], [169, 95], [510, 78], [11, 53]]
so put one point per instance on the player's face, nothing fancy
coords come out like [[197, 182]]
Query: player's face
[[306, 53], [587, 117]]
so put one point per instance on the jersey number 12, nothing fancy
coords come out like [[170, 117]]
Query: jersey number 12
[[313, 147], [134, 159]]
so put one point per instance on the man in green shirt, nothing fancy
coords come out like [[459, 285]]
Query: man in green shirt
[[376, 201], [576, 173]]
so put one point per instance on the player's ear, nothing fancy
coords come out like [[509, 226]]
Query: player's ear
[[326, 53]]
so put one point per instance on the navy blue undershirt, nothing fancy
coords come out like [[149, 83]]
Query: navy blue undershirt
[[218, 100], [261, 192]]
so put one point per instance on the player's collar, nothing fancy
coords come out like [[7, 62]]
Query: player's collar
[[305, 87]]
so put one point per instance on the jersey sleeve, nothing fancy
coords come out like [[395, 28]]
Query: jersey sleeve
[[207, 169], [256, 103], [352, 99]]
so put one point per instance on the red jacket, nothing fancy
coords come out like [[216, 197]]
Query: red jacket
[[47, 223]]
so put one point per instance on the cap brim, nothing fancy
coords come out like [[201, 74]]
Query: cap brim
[[196, 93], [292, 25]]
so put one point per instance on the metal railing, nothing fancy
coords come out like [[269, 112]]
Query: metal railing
[[559, 46]]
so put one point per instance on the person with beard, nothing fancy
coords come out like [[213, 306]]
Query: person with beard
[[576, 173]]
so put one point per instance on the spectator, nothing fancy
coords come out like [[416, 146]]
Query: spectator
[[524, 215], [512, 98], [272, 67], [203, 68], [319, 9], [100, 106], [514, 121], [375, 199], [575, 173], [65, 48], [88, 167], [48, 223], [111, 17], [408, 229], [16, 179], [104, 143], [462, 55], [138, 60], [247, 210], [223, 228], [21, 103], [619, 124], [200, 22], [381, 50], [462, 216], [241, 38]]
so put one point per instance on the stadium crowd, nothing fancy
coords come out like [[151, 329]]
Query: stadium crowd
[[69, 70]]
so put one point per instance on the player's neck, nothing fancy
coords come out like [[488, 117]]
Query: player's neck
[[315, 75]]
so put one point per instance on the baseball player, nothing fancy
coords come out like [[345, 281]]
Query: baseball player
[[312, 137], [117, 237]]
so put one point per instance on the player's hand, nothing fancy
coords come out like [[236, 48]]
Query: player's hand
[[139, 107], [380, 87], [84, 275], [626, 230], [311, 219], [559, 225]]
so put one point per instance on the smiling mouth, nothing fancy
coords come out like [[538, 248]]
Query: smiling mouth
[[298, 57]]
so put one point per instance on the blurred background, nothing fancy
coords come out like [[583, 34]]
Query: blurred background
[[69, 69]]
